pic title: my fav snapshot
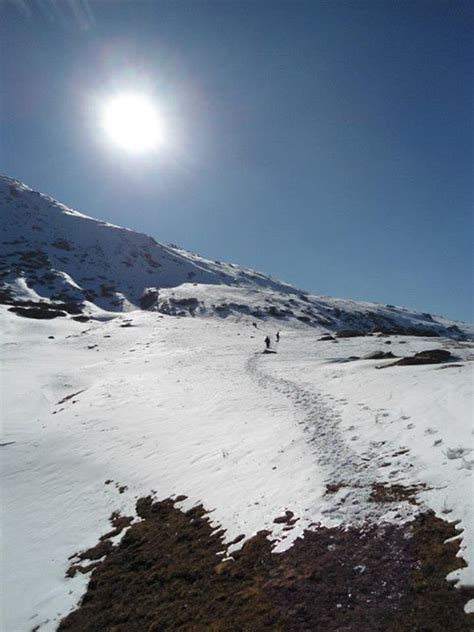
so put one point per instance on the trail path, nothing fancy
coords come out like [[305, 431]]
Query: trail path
[[334, 455]]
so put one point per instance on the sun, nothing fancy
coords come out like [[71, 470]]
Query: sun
[[132, 122]]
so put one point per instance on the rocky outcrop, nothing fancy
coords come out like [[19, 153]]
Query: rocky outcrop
[[432, 356]]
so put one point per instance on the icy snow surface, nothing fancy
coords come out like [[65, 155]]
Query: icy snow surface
[[192, 406]]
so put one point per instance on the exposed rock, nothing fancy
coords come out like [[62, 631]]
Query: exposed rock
[[285, 519], [62, 244], [178, 306], [276, 312], [149, 299], [454, 329], [349, 333], [431, 356], [70, 308], [378, 355], [304, 319], [38, 313]]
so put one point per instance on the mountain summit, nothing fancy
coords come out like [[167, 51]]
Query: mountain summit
[[53, 256]]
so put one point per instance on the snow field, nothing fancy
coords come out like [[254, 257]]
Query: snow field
[[165, 405], [192, 406], [413, 424]]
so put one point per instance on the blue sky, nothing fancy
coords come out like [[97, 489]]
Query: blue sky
[[329, 144]]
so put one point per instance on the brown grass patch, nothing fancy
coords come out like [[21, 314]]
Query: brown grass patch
[[383, 493], [170, 573]]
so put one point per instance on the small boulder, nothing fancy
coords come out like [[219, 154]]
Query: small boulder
[[287, 518], [378, 355]]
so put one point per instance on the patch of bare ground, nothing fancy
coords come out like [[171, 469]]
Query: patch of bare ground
[[101, 549], [384, 493], [170, 573]]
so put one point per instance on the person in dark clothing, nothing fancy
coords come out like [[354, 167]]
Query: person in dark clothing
[[267, 342], [277, 336]]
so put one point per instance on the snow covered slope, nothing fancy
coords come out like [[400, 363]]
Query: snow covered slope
[[49, 252], [64, 255], [97, 414], [191, 406]]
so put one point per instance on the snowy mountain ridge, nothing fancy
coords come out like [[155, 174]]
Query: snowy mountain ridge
[[51, 253]]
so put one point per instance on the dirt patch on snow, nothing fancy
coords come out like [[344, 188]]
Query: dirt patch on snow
[[171, 572], [385, 493]]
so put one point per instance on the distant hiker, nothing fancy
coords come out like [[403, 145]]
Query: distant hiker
[[277, 336], [267, 342], [255, 325]]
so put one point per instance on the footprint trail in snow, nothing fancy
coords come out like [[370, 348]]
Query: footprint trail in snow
[[349, 471]]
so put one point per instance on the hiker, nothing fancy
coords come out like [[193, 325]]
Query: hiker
[[277, 336], [267, 342]]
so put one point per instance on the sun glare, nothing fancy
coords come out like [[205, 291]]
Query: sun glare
[[132, 122]]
